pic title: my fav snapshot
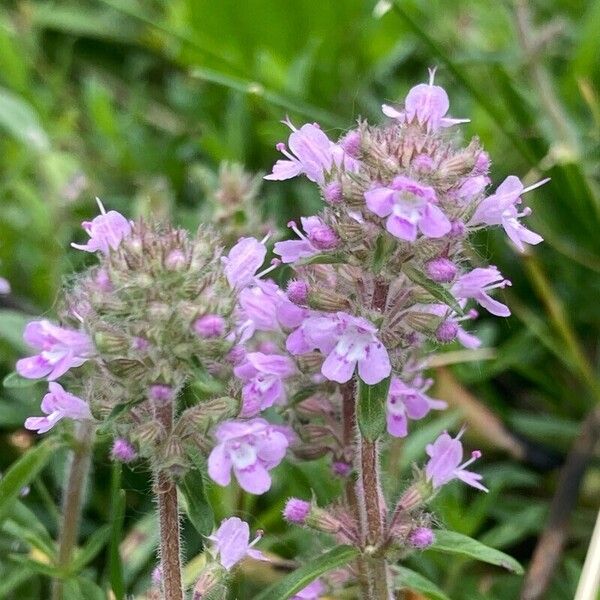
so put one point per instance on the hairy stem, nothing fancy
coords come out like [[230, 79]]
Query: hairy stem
[[168, 517], [79, 469]]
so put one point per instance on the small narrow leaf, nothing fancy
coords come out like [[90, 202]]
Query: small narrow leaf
[[14, 380], [300, 578], [456, 543], [371, 408], [409, 579], [94, 544], [197, 506], [22, 472], [439, 292]]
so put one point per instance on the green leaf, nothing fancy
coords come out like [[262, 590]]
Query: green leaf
[[300, 578], [197, 506], [20, 120], [371, 408], [95, 543], [22, 472], [439, 292], [457, 543], [14, 380], [409, 579]]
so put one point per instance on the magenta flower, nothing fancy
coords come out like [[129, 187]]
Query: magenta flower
[[263, 375], [249, 448], [445, 454], [243, 260], [428, 104], [500, 209], [60, 349], [319, 237], [477, 283], [310, 153], [106, 231], [409, 206], [232, 542], [349, 342], [58, 404], [313, 591], [407, 402]]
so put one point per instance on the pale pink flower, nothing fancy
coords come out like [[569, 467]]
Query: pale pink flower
[[106, 231], [60, 350], [58, 404], [477, 284], [501, 209], [319, 237], [232, 543], [243, 260]]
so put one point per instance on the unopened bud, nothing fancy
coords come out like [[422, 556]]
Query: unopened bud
[[351, 143], [421, 537], [326, 299], [123, 451], [441, 270], [297, 291], [161, 394], [423, 163], [446, 332], [333, 192], [323, 237], [209, 326], [175, 260], [341, 468], [296, 511]]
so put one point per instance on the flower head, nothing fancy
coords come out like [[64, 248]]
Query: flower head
[[106, 231], [232, 542], [409, 207], [501, 209], [477, 284], [349, 343], [407, 402], [446, 454], [58, 404], [249, 448], [60, 349]]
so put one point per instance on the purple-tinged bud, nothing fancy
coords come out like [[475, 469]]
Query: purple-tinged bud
[[421, 537], [175, 260], [102, 280], [423, 163], [209, 326], [441, 270], [161, 394], [123, 451], [297, 291], [236, 355], [482, 163], [341, 468], [446, 332], [141, 344], [333, 192], [157, 576], [296, 511], [323, 237], [457, 229], [351, 143]]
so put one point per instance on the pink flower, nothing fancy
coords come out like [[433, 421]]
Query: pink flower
[[428, 104], [500, 209], [106, 231], [450, 327], [349, 342], [60, 349], [263, 375], [445, 454], [243, 260], [313, 591], [407, 402], [319, 237], [249, 448], [408, 206], [310, 153], [58, 404], [477, 283], [232, 542]]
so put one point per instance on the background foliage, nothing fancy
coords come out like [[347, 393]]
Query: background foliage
[[139, 102]]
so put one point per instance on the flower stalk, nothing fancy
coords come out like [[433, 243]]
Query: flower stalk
[[79, 469]]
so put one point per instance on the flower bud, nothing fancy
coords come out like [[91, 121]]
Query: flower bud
[[326, 299], [161, 394], [341, 468], [446, 332], [351, 143], [123, 451], [175, 260], [209, 326], [296, 511], [333, 192], [421, 537], [323, 237], [441, 270], [297, 291], [423, 163]]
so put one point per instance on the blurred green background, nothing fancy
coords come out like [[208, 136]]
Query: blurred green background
[[139, 103]]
